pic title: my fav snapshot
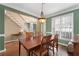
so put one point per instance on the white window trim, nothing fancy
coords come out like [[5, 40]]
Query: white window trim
[[49, 32], [72, 27]]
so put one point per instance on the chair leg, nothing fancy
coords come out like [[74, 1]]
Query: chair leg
[[28, 53], [57, 48], [47, 53], [19, 48], [53, 51], [31, 53]]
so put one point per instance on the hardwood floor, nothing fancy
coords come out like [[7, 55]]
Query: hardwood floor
[[12, 49]]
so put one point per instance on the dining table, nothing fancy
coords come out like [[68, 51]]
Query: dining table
[[30, 44]]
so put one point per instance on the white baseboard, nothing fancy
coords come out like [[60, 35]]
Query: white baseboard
[[62, 44], [3, 50], [10, 41]]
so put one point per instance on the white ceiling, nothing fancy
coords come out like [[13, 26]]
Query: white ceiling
[[35, 8]]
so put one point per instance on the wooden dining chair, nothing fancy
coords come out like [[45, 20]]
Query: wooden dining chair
[[24, 36], [29, 35], [41, 50], [38, 34], [54, 43], [20, 37]]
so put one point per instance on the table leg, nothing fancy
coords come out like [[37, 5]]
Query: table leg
[[28, 52], [19, 48]]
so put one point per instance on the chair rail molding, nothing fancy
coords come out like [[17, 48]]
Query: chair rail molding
[[2, 35]]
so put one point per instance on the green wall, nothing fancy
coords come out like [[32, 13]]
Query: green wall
[[1, 20], [1, 27], [48, 25], [76, 22], [1, 43]]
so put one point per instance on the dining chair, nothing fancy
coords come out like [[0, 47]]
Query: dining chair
[[48, 37], [28, 35], [41, 50], [25, 36], [54, 44], [20, 37]]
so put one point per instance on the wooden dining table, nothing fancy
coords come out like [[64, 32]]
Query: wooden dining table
[[30, 44]]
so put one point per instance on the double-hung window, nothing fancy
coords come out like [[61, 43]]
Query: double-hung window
[[63, 25]]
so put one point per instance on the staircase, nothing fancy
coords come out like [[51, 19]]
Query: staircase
[[20, 19]]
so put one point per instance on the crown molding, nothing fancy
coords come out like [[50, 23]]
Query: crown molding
[[71, 9]]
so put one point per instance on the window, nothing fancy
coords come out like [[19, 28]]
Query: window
[[56, 25], [63, 25], [34, 27], [29, 27]]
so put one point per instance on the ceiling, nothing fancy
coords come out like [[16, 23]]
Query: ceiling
[[35, 8]]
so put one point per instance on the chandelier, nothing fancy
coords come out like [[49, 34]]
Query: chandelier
[[42, 18]]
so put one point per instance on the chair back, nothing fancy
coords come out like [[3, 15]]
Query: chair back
[[48, 38], [43, 40], [42, 44], [56, 37], [55, 41], [38, 35], [20, 37], [29, 35]]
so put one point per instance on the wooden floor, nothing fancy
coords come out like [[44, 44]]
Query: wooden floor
[[12, 49]]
